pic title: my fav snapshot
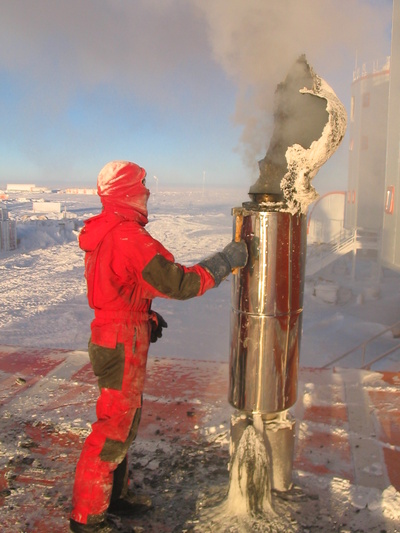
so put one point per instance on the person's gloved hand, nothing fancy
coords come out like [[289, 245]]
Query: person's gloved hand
[[157, 325], [236, 254], [221, 264]]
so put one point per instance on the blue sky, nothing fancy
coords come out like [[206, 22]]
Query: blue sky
[[182, 87]]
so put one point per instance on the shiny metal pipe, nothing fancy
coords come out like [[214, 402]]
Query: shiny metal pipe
[[266, 312]]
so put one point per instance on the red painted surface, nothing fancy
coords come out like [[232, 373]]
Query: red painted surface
[[387, 409], [324, 452], [180, 397], [331, 414], [37, 362], [392, 460]]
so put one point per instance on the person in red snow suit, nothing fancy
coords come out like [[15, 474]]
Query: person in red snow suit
[[125, 269]]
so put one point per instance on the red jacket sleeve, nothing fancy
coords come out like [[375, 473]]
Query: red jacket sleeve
[[158, 273], [172, 280]]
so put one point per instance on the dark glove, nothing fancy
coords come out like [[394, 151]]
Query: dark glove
[[236, 253], [157, 325], [221, 264]]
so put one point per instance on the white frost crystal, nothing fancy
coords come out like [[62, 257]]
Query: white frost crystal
[[304, 163]]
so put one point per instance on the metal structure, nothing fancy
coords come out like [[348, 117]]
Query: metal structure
[[267, 294], [8, 231], [266, 318], [390, 251], [266, 315]]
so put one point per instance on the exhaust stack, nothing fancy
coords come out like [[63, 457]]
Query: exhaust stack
[[267, 294], [266, 319]]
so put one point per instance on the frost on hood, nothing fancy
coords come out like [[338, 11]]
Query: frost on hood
[[309, 124]]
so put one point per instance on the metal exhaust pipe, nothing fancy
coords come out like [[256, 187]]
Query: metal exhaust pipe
[[267, 294], [266, 312], [265, 328]]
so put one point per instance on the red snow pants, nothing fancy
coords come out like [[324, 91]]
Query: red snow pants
[[101, 472]]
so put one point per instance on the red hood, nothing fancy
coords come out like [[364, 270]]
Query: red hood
[[120, 185]]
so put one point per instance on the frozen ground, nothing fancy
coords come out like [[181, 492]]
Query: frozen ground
[[42, 288], [42, 304]]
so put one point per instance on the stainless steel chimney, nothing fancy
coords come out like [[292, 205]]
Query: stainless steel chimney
[[267, 294], [267, 306]]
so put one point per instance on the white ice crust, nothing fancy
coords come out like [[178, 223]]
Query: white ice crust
[[302, 163]]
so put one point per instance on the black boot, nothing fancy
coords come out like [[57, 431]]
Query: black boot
[[131, 504], [99, 527]]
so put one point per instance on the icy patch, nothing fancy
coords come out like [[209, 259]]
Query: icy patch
[[386, 502]]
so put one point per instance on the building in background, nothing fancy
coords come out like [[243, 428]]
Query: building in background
[[372, 210], [8, 231], [390, 247], [25, 187], [367, 149], [20, 187], [46, 207], [372, 204]]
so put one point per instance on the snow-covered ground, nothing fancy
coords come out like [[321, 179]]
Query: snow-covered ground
[[43, 305], [42, 286]]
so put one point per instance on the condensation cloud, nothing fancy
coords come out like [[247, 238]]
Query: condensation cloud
[[257, 41]]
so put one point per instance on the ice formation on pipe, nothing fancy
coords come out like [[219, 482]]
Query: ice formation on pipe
[[310, 122]]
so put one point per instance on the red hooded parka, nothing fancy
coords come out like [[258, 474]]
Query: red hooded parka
[[125, 268]]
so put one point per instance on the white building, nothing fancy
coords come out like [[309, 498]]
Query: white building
[[390, 250], [25, 187], [20, 187], [46, 207], [368, 138], [373, 201], [372, 206], [8, 231]]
